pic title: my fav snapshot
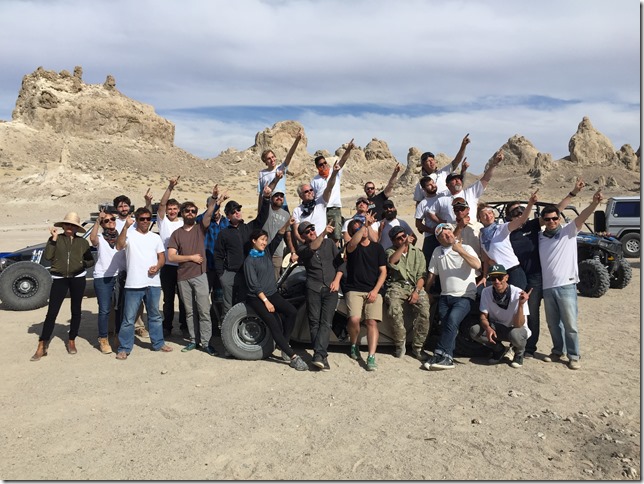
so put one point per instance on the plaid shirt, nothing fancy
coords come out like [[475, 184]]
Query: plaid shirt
[[211, 236]]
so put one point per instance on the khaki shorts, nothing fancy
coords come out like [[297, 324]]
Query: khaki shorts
[[358, 306]]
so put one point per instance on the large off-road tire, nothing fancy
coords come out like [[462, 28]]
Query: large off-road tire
[[24, 286], [594, 279], [622, 276], [245, 335], [631, 245]]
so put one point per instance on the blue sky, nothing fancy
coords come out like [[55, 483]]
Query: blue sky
[[409, 72]]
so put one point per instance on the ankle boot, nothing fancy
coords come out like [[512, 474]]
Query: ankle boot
[[71, 347], [104, 346], [40, 351]]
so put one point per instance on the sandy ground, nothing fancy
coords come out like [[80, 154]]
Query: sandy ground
[[190, 416]]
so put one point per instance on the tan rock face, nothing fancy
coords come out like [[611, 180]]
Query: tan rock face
[[519, 151], [589, 147], [66, 105]]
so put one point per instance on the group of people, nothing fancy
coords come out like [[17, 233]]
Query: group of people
[[371, 258]]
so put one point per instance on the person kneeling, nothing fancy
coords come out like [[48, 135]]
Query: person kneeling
[[504, 316]]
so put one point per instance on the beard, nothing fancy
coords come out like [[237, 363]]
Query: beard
[[390, 215], [189, 221]]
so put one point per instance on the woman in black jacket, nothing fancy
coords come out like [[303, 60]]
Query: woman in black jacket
[[70, 256], [264, 298]]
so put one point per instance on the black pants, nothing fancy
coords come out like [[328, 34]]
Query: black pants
[[280, 329], [321, 309], [168, 276], [59, 288]]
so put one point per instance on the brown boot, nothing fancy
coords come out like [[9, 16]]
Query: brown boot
[[40, 351], [71, 347], [104, 346]]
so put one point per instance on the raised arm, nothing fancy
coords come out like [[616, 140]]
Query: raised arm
[[93, 235], [461, 152], [487, 176], [519, 221], [148, 200], [581, 218], [210, 208], [390, 184], [122, 238], [172, 182], [326, 195], [565, 201], [317, 243], [347, 152], [291, 152]]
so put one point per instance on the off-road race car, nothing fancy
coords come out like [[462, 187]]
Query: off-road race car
[[600, 257]]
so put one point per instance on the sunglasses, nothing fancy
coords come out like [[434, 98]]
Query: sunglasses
[[401, 237], [144, 219], [324, 163], [109, 219], [496, 277], [235, 210], [189, 210], [460, 209], [517, 212], [550, 219], [307, 191], [309, 230], [369, 188]]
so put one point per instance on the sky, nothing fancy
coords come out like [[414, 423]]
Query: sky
[[419, 73]]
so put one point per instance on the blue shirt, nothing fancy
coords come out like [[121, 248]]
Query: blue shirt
[[211, 236]]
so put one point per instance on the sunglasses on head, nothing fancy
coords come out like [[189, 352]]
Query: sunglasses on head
[[189, 210], [144, 219], [550, 219]]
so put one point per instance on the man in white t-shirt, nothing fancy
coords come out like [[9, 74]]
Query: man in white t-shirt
[[312, 209], [424, 223], [319, 184], [267, 175], [144, 253], [429, 167], [456, 265], [442, 210], [168, 220], [558, 256], [504, 317]]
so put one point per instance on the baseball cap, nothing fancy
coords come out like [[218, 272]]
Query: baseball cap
[[497, 270], [388, 204], [395, 231], [362, 199], [277, 193], [303, 227], [231, 206], [451, 176], [460, 202], [427, 154], [443, 226]]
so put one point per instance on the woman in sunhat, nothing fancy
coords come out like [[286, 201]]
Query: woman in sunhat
[[70, 256]]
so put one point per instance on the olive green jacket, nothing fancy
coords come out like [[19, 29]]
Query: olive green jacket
[[69, 256]]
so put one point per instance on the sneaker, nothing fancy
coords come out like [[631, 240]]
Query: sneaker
[[318, 361], [354, 352], [210, 350], [399, 352], [552, 358], [371, 363], [509, 355], [430, 361], [189, 347], [517, 362], [498, 355], [574, 365], [285, 357], [327, 367], [444, 363], [142, 332], [298, 363]]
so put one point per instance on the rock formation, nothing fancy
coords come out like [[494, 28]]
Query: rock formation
[[590, 147], [66, 105]]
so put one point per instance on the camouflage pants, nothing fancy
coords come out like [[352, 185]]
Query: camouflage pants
[[395, 301]]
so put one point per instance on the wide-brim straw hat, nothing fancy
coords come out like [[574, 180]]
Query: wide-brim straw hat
[[73, 219]]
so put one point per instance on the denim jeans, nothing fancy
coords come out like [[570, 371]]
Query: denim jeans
[[534, 305], [321, 309], [104, 289], [132, 301], [452, 311], [195, 295], [561, 314]]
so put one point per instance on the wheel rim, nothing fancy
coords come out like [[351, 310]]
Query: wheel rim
[[250, 332], [25, 286], [633, 245]]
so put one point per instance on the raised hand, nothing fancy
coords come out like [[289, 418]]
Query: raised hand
[[498, 158], [172, 182], [598, 196], [533, 198], [524, 296], [53, 231], [148, 197], [579, 185]]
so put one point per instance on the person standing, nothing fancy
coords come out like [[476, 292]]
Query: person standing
[[319, 184], [324, 269], [407, 272], [277, 217], [558, 255], [186, 248], [376, 201], [425, 224], [70, 256], [366, 274], [456, 265], [389, 221], [145, 255], [169, 220], [108, 265]]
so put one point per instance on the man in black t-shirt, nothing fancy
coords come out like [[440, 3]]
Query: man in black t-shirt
[[376, 201], [366, 273]]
